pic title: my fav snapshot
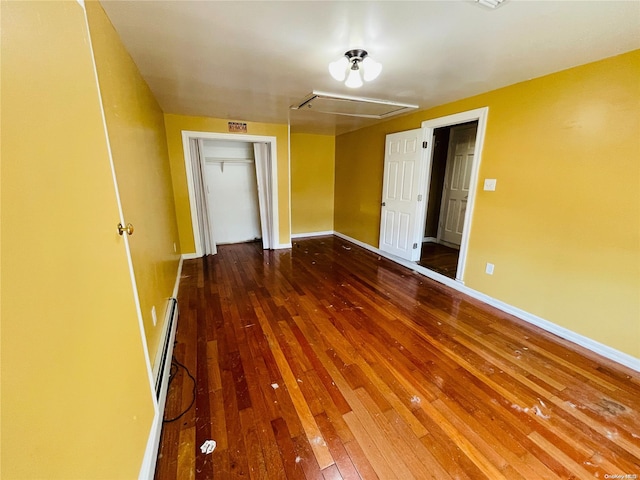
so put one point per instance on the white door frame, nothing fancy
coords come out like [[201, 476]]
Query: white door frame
[[479, 115], [272, 211]]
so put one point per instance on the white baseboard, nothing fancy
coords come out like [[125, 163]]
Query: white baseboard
[[586, 342], [312, 234], [176, 285], [147, 471], [430, 239], [191, 256], [449, 244]]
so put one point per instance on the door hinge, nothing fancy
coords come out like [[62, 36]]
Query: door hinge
[[424, 144], [415, 245], [420, 197]]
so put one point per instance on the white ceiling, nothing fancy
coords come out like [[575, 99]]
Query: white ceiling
[[250, 61]]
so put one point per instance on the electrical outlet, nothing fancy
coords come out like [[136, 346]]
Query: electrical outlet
[[489, 269], [154, 317], [490, 184]]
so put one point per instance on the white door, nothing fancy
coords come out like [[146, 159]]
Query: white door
[[457, 181], [232, 193], [399, 220]]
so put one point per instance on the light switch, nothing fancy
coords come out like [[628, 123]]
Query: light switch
[[490, 184]]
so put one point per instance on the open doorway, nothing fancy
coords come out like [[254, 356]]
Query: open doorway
[[208, 156], [447, 213], [449, 185]]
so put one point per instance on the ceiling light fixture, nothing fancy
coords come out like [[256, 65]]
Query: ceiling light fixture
[[352, 62], [490, 3]]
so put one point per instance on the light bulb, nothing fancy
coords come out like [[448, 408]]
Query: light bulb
[[353, 80], [338, 69], [370, 69]]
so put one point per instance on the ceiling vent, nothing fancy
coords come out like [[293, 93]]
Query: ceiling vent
[[352, 106]]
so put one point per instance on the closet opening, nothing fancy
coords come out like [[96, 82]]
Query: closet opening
[[232, 189]]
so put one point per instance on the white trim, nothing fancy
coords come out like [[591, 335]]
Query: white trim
[[479, 114], [562, 332], [449, 244], [191, 256], [430, 240], [311, 234], [148, 469], [271, 140]]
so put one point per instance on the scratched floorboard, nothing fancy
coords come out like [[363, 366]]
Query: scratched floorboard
[[328, 362]]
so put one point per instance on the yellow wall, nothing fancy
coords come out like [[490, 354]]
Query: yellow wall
[[175, 124], [139, 147], [76, 401], [563, 226], [312, 178]]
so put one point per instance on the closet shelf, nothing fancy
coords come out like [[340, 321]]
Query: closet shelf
[[228, 160]]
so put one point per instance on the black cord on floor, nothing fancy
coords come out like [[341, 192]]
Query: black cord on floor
[[172, 373]]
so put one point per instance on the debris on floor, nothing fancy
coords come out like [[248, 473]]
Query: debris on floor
[[539, 413], [319, 441], [208, 447], [518, 408]]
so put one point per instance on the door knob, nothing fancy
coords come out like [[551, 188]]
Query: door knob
[[128, 229]]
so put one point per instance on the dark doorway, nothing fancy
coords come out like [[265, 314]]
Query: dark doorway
[[439, 252]]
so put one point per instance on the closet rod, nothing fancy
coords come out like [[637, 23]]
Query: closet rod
[[228, 160]]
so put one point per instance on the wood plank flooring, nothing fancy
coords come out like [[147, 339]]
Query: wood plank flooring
[[439, 258], [326, 361]]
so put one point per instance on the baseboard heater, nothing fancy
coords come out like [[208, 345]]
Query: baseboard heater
[[166, 348], [161, 373]]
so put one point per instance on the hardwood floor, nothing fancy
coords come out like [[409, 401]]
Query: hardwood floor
[[439, 258], [326, 362]]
